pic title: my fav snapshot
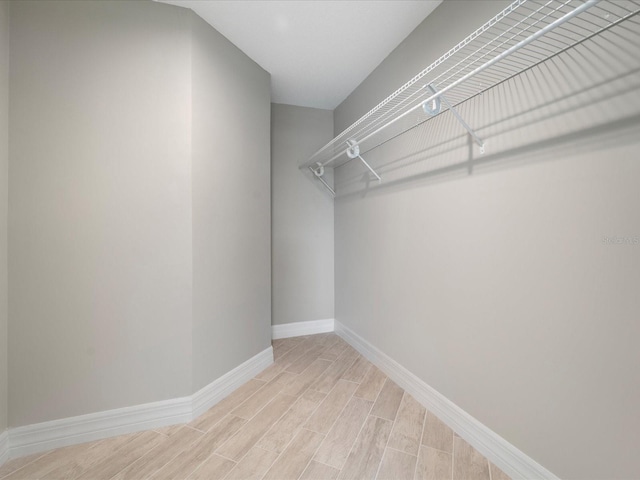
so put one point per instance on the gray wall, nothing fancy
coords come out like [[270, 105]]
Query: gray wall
[[132, 279], [100, 207], [302, 222], [4, 199], [489, 277], [231, 212]]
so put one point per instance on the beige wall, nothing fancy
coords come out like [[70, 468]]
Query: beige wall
[[4, 199], [488, 277], [302, 222], [231, 212]]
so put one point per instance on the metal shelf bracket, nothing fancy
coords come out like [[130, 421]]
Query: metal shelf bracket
[[353, 151], [433, 108], [318, 172]]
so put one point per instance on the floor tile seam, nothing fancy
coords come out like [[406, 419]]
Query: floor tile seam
[[261, 408], [299, 428], [148, 453], [138, 459], [293, 437], [363, 376], [384, 450], [261, 436], [342, 410], [404, 394], [355, 442], [205, 461], [436, 449], [424, 422]]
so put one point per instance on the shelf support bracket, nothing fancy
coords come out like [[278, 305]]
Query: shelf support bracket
[[435, 109], [318, 172], [354, 152]]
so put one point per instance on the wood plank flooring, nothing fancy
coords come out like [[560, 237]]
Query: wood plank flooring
[[320, 412]]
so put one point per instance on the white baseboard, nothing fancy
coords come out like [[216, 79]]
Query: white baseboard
[[43, 436], [4, 446], [208, 396], [505, 456], [95, 426], [297, 329]]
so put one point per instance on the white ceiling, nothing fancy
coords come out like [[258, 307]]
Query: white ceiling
[[317, 52]]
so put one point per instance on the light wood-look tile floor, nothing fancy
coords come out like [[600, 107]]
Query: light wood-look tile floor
[[320, 412]]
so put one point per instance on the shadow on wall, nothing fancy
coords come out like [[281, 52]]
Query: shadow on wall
[[586, 98]]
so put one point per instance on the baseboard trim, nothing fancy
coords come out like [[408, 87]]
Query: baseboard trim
[[208, 396], [43, 436], [95, 426], [504, 455], [297, 329], [4, 446]]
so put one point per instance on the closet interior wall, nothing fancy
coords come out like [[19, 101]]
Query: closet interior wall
[[100, 207], [4, 205], [302, 223], [231, 223], [501, 280], [139, 243]]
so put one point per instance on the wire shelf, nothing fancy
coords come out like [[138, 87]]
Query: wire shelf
[[523, 35]]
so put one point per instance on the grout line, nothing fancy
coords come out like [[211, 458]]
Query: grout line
[[82, 472], [193, 442], [437, 450], [350, 381], [264, 406], [395, 420], [118, 449], [310, 458], [360, 431], [294, 344], [313, 355], [453, 457], [309, 366], [303, 343], [367, 371], [415, 468], [226, 458], [212, 426], [273, 366], [384, 452], [229, 412], [196, 429], [135, 461], [233, 436], [229, 472], [323, 400], [296, 433], [402, 451], [322, 463], [382, 418], [424, 423], [205, 461], [27, 464], [312, 382], [270, 428], [273, 380], [393, 426]]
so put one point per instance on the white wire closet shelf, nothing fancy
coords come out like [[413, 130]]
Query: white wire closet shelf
[[523, 35]]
